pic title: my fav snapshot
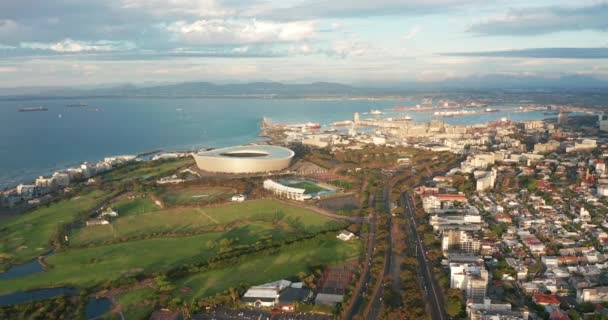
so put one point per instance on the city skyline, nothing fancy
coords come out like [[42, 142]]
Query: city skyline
[[357, 42]]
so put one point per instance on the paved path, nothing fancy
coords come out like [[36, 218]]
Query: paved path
[[431, 290]]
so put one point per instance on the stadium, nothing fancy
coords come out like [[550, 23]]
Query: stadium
[[244, 159]]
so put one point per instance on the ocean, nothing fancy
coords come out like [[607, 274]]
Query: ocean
[[38, 143]]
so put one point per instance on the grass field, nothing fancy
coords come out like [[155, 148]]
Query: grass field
[[27, 236], [194, 195], [262, 269], [145, 170], [137, 304], [263, 217], [91, 266], [309, 187], [135, 206]]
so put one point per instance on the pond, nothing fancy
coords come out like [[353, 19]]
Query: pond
[[22, 270], [27, 296], [97, 307], [94, 308]]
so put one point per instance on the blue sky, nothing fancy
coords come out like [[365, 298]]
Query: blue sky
[[371, 42]]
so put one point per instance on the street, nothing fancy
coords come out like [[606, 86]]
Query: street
[[430, 286]]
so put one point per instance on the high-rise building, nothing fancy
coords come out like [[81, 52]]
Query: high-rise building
[[603, 120], [460, 241], [471, 278], [562, 118]]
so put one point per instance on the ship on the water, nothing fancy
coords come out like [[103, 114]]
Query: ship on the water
[[76, 105], [374, 112], [33, 109]]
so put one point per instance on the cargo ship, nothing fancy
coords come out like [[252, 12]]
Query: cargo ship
[[34, 109], [491, 110], [76, 105]]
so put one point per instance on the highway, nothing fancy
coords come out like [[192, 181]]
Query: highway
[[363, 284], [431, 290]]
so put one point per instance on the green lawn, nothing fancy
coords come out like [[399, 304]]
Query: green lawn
[[262, 269], [27, 236], [309, 187], [135, 206], [248, 222], [194, 195], [145, 170], [263, 216], [137, 304], [91, 266]]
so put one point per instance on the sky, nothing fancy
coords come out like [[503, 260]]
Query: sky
[[370, 42]]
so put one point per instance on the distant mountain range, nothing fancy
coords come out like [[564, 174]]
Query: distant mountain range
[[317, 89]]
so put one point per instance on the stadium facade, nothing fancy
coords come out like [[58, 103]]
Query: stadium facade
[[244, 159]]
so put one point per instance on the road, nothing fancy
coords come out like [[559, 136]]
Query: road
[[376, 299], [362, 286], [431, 290]]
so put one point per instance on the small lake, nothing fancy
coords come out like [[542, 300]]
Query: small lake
[[22, 270], [27, 296], [94, 308], [97, 307]]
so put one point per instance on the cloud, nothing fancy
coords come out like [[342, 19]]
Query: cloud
[[411, 34], [553, 53], [350, 48], [219, 31], [8, 69], [314, 9], [542, 20], [8, 28], [173, 8], [71, 46]]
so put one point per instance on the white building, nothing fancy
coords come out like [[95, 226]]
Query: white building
[[26, 191], [285, 191], [585, 144], [61, 179], [471, 278], [603, 122], [488, 310], [265, 295], [461, 241], [593, 295], [346, 235], [487, 181], [239, 198]]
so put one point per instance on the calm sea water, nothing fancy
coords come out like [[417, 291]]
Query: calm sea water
[[37, 143]]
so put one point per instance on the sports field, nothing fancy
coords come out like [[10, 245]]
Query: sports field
[[309, 187], [135, 206], [194, 195], [265, 217]]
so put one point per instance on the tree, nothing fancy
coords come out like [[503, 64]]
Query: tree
[[454, 302]]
